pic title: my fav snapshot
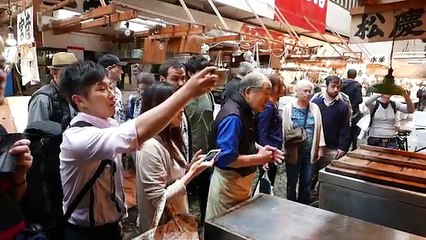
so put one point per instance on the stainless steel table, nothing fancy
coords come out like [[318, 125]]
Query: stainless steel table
[[267, 217], [388, 206]]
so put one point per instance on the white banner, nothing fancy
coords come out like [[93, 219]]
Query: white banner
[[376, 27], [25, 27]]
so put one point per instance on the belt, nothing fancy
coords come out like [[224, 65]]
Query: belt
[[385, 140]]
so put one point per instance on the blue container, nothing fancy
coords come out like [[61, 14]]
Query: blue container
[[9, 85]]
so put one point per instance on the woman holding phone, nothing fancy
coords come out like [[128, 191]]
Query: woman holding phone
[[161, 168]]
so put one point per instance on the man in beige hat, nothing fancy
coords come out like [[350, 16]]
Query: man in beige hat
[[47, 104]]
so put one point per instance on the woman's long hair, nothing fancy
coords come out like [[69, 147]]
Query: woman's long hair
[[152, 97]]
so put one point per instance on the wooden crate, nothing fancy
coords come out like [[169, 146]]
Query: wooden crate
[[396, 168]]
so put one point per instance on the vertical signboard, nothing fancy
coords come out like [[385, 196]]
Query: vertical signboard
[[295, 12], [25, 27]]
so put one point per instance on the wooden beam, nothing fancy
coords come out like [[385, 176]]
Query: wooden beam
[[95, 13], [371, 2], [389, 7], [37, 31], [174, 31], [106, 20], [58, 6]]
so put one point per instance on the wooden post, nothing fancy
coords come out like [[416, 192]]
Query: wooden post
[[37, 33]]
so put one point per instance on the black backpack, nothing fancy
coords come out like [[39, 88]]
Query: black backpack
[[42, 201]]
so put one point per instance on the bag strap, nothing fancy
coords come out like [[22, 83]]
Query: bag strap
[[306, 117], [82, 124], [376, 106], [89, 184], [86, 188]]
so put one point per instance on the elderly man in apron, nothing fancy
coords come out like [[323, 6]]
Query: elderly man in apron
[[233, 132]]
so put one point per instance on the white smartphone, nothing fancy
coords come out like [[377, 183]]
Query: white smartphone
[[212, 154]]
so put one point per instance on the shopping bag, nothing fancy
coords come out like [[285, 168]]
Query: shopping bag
[[364, 125], [264, 185], [180, 226]]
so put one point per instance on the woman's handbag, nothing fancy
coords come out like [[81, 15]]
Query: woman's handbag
[[294, 139], [297, 135], [180, 226]]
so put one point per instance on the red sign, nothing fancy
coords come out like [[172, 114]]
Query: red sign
[[295, 12]]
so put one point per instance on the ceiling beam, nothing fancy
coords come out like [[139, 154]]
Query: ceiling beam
[[95, 13], [173, 31], [106, 20], [389, 7]]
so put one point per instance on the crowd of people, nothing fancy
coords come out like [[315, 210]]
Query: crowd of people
[[169, 125]]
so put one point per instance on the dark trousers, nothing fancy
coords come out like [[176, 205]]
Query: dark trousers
[[201, 184], [355, 131], [110, 231], [302, 172]]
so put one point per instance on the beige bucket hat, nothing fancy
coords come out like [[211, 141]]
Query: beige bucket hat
[[62, 59]]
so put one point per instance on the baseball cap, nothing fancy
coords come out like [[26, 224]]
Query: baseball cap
[[109, 60]]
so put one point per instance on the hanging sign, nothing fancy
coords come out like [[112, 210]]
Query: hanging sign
[[297, 11], [376, 27], [25, 27]]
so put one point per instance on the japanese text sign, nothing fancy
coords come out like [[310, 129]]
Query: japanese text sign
[[295, 11], [376, 27], [25, 27]]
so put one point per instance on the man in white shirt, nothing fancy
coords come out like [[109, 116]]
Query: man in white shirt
[[94, 139]]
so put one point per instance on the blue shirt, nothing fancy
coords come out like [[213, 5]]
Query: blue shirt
[[229, 133], [270, 127], [298, 119], [134, 105]]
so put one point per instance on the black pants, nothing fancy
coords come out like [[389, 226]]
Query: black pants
[[110, 231], [355, 131], [201, 184]]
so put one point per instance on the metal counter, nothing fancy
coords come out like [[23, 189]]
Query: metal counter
[[267, 217], [388, 206]]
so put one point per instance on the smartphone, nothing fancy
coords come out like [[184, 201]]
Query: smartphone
[[7, 161], [212, 154]]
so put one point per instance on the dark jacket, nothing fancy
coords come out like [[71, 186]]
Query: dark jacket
[[236, 105], [353, 89], [231, 88], [269, 127], [60, 107]]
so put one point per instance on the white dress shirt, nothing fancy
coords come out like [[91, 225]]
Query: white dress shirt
[[82, 150]]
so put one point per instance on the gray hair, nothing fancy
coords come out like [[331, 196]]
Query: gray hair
[[304, 83], [245, 68], [252, 80]]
